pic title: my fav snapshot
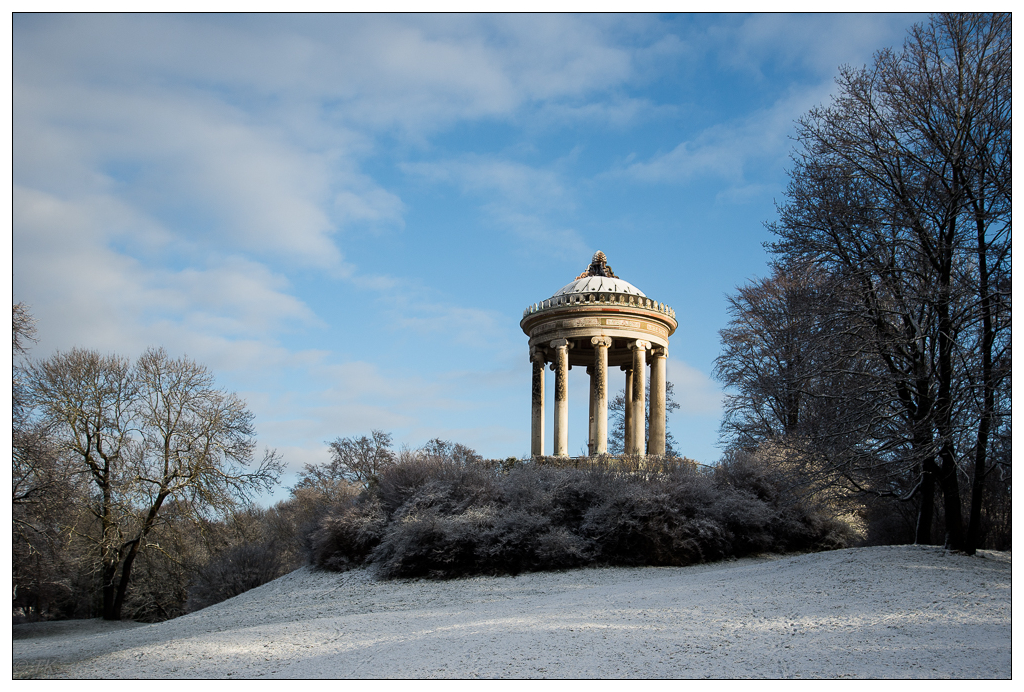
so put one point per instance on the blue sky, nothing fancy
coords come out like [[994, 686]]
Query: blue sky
[[344, 216]]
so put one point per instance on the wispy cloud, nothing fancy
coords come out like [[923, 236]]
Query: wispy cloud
[[210, 176], [727, 151], [514, 183], [738, 151], [246, 137], [695, 392], [522, 199], [88, 292], [814, 43]]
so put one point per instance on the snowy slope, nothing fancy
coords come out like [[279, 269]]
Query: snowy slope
[[900, 611]]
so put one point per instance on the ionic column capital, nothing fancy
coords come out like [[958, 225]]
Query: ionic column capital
[[559, 343], [639, 345], [659, 352], [601, 341], [537, 355]]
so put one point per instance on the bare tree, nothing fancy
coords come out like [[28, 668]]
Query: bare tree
[[446, 451], [617, 413], [145, 436], [902, 187], [37, 463], [43, 493], [320, 487], [804, 389], [360, 459], [329, 481], [24, 328], [772, 355]]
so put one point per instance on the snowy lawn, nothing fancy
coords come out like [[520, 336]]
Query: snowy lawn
[[885, 612]]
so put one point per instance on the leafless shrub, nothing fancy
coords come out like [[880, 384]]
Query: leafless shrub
[[400, 482], [345, 537], [441, 519], [233, 572]]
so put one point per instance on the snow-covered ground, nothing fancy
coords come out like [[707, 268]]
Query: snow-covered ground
[[886, 612]]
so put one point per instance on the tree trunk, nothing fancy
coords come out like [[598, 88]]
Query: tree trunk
[[951, 498], [948, 479], [122, 584], [926, 511], [973, 541], [110, 592], [133, 552]]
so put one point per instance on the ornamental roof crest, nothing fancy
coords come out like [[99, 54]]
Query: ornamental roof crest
[[598, 267]]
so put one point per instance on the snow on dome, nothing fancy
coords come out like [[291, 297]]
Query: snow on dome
[[600, 284], [599, 278]]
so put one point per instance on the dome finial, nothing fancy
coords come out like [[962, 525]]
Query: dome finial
[[598, 267]]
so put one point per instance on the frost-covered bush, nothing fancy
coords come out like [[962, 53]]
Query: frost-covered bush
[[347, 535], [440, 519], [233, 572]]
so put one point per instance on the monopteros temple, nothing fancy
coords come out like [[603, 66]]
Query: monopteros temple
[[599, 322]]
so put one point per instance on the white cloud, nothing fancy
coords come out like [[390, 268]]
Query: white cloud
[[467, 326], [295, 458], [516, 197], [245, 135], [213, 178], [515, 184], [617, 112], [236, 297], [411, 72], [86, 293], [358, 396], [817, 43], [695, 392], [371, 203], [535, 232], [726, 151]]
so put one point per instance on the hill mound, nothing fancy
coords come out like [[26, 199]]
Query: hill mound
[[881, 612]]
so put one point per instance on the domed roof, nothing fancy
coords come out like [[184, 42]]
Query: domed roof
[[600, 284], [599, 278], [597, 289]]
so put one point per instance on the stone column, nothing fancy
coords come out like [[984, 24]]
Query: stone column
[[659, 360], [593, 400], [627, 413], [599, 386], [639, 349], [537, 421], [561, 367]]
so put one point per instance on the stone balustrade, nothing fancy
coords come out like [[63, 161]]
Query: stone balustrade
[[600, 299]]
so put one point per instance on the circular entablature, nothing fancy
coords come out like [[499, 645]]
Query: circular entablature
[[580, 325]]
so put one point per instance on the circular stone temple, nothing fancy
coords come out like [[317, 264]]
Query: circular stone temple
[[600, 321]]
